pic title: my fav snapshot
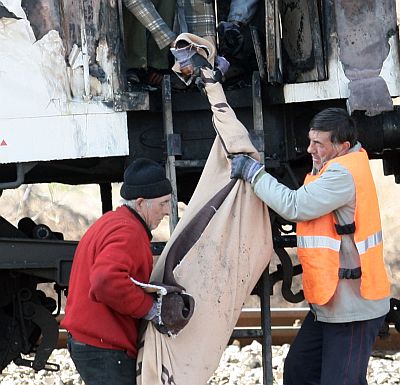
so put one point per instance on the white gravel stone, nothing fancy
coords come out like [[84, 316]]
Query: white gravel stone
[[237, 367]]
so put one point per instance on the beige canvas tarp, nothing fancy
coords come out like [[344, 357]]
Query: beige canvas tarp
[[220, 265]]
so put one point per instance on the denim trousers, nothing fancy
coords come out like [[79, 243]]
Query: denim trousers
[[242, 10], [98, 366], [331, 353]]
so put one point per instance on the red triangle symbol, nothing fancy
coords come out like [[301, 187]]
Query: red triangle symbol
[[3, 143]]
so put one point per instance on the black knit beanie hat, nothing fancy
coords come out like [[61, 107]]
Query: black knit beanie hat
[[144, 178]]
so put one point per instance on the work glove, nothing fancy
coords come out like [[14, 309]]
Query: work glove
[[207, 76], [184, 56], [245, 167], [172, 309], [175, 311], [189, 60], [222, 65]]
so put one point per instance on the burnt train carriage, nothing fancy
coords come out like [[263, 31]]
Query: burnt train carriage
[[65, 84]]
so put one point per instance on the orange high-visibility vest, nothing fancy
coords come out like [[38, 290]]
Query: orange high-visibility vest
[[318, 243]]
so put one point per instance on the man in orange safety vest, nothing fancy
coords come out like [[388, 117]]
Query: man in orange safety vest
[[339, 242]]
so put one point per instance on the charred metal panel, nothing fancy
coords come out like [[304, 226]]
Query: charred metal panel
[[273, 59], [364, 29], [43, 15], [100, 20], [72, 19], [302, 48], [91, 26], [95, 24], [102, 23]]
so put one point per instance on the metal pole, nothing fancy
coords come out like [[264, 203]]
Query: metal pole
[[170, 165], [264, 285], [266, 324]]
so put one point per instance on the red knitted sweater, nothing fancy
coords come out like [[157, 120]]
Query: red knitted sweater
[[103, 305]]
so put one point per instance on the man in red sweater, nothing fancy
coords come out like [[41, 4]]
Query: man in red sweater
[[104, 306]]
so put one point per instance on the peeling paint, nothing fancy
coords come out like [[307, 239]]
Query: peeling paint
[[41, 97], [14, 6]]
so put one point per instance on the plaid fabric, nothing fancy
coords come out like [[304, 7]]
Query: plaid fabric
[[146, 13], [199, 16], [183, 55]]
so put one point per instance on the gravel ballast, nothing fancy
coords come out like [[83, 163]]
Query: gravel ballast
[[238, 366]]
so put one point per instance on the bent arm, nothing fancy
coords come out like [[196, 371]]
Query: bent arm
[[334, 189], [121, 258]]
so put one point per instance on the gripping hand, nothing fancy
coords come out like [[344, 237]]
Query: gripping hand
[[172, 310], [175, 311], [245, 167]]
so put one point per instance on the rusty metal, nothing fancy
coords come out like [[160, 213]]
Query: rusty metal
[[302, 43], [273, 58]]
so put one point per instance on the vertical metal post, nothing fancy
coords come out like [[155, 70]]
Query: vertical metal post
[[106, 197], [264, 292], [170, 164], [85, 54], [272, 30], [266, 341], [258, 120], [258, 52]]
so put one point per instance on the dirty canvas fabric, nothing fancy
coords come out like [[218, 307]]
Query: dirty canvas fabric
[[217, 252]]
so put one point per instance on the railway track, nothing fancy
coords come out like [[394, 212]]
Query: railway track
[[285, 324]]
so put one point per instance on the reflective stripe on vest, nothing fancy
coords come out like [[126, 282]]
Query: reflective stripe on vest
[[314, 242], [372, 241]]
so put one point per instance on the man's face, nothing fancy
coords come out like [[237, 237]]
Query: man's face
[[322, 149], [154, 210]]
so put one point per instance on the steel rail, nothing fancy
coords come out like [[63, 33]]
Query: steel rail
[[286, 323]]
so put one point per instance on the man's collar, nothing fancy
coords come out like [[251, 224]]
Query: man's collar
[[141, 220], [355, 148]]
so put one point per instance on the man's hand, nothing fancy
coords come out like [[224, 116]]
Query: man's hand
[[245, 167], [175, 311], [171, 310]]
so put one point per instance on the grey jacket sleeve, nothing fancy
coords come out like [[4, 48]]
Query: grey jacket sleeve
[[334, 189]]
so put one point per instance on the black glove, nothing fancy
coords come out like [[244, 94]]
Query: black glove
[[173, 310], [207, 76], [176, 309], [245, 167]]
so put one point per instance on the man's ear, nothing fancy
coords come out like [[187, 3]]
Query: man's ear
[[344, 148], [139, 203]]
